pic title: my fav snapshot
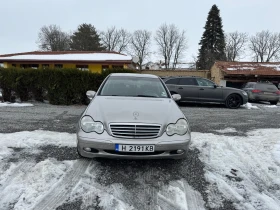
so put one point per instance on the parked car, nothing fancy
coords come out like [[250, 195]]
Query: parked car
[[133, 116], [262, 91], [201, 90]]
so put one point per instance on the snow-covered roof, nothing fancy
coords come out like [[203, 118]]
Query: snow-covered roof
[[248, 68], [67, 56]]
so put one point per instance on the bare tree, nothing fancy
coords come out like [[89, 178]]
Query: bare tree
[[235, 45], [115, 39], [265, 46], [51, 38], [181, 46], [171, 43], [140, 45]]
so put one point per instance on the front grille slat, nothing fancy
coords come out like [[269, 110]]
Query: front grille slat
[[135, 130]]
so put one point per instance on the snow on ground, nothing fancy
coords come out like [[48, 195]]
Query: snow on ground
[[5, 104], [245, 170], [249, 106]]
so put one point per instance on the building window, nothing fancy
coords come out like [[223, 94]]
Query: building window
[[45, 66], [14, 65], [29, 66], [117, 66], [58, 66], [82, 67], [104, 67]]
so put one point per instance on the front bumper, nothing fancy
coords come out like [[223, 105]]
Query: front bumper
[[244, 99], [103, 145]]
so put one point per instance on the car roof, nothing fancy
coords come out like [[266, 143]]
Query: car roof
[[133, 75], [266, 83], [175, 77]]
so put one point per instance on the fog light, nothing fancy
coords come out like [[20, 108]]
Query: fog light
[[180, 151], [87, 149]]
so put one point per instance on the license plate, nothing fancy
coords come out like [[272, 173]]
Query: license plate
[[268, 93], [134, 148]]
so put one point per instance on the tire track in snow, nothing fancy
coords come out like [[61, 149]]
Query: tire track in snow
[[61, 192], [179, 195], [149, 191]]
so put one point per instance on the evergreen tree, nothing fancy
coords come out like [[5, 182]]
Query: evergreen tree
[[212, 42], [86, 39]]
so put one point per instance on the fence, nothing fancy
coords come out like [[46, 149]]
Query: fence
[[166, 73]]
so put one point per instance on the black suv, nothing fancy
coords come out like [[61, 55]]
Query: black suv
[[262, 91], [201, 90]]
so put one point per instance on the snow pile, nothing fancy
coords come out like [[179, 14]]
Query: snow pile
[[276, 152], [249, 106], [227, 130], [27, 139], [272, 106], [5, 151], [15, 104], [24, 184], [244, 170]]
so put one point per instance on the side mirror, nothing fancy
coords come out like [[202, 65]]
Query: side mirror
[[90, 94], [176, 97]]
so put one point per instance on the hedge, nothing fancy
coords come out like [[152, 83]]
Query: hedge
[[58, 86]]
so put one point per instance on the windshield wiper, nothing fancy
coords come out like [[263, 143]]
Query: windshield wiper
[[148, 96]]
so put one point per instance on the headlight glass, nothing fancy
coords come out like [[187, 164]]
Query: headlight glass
[[89, 125], [181, 127]]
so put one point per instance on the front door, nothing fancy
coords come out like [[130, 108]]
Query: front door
[[208, 91], [188, 89]]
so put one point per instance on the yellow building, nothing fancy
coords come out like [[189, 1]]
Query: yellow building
[[83, 60]]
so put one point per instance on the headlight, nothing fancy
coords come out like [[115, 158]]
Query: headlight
[[88, 125], [244, 93], [181, 127]]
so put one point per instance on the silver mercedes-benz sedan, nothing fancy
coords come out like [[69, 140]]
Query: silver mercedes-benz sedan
[[133, 116]]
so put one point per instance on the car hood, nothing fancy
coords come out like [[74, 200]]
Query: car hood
[[114, 109]]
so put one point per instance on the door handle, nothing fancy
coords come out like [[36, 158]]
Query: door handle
[[201, 89], [180, 88]]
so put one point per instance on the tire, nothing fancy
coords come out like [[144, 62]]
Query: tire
[[273, 102], [233, 101]]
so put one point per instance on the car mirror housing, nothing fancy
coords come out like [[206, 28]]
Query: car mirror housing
[[176, 97], [90, 94]]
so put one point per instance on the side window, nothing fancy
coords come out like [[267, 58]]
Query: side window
[[250, 85], [204, 82], [187, 81], [172, 81]]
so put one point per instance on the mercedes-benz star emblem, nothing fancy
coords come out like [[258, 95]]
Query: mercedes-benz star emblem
[[136, 115]]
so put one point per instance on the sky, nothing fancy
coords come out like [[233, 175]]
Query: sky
[[20, 21]]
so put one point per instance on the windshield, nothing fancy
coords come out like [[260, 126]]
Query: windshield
[[134, 87]]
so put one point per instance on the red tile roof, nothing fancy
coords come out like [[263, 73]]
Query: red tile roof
[[249, 68]]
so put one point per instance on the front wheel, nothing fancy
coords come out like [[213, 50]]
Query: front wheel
[[233, 101]]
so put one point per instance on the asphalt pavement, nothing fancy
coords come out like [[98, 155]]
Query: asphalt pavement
[[203, 118]]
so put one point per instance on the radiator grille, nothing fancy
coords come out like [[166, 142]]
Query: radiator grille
[[139, 131]]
